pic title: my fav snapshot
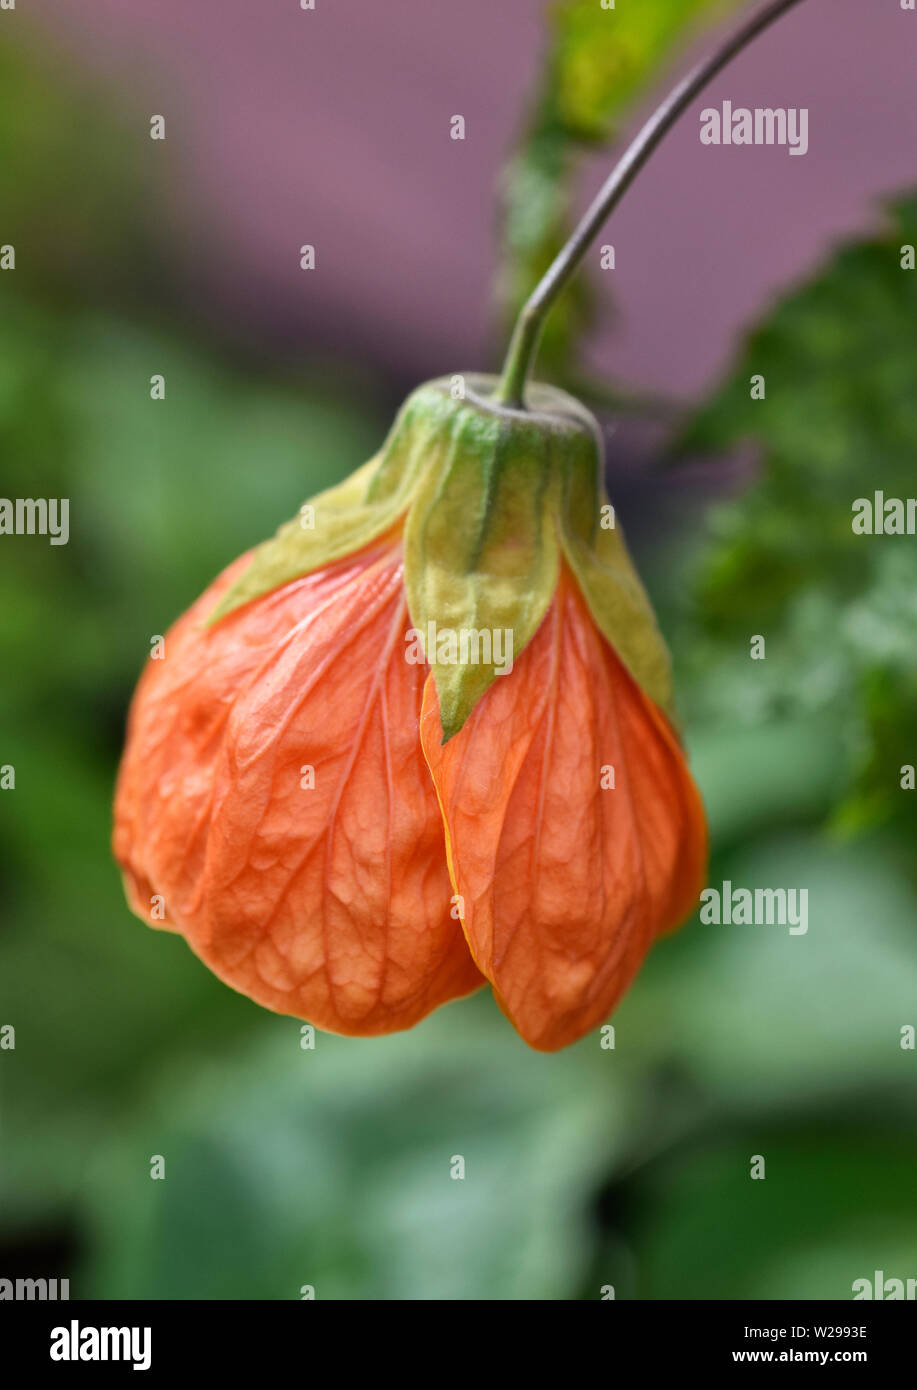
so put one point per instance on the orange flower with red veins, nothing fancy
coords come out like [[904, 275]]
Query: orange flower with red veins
[[422, 739]]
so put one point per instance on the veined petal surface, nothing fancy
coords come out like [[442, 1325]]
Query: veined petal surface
[[566, 882]]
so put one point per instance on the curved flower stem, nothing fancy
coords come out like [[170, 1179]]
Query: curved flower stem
[[527, 332]]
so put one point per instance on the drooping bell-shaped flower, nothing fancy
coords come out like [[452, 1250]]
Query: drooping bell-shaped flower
[[422, 739]]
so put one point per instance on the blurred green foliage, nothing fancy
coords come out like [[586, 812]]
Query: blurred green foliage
[[598, 64], [65, 166], [330, 1167], [838, 609]]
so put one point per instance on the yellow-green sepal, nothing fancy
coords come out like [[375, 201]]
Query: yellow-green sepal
[[482, 558], [345, 518], [492, 500], [596, 552]]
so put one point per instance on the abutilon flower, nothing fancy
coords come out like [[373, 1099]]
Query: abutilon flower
[[353, 838]]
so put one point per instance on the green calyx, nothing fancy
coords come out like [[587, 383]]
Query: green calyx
[[490, 499]]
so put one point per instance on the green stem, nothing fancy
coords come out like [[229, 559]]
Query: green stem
[[527, 332]]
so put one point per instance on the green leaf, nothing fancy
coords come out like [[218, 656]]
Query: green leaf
[[333, 1168], [809, 1015], [836, 1205], [838, 609]]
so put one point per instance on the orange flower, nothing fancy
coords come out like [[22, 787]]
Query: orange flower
[[330, 902], [287, 800], [566, 882]]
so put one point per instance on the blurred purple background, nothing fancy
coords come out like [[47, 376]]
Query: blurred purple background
[[332, 127]]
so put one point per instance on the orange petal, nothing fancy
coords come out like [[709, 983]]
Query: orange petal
[[566, 884], [332, 903]]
